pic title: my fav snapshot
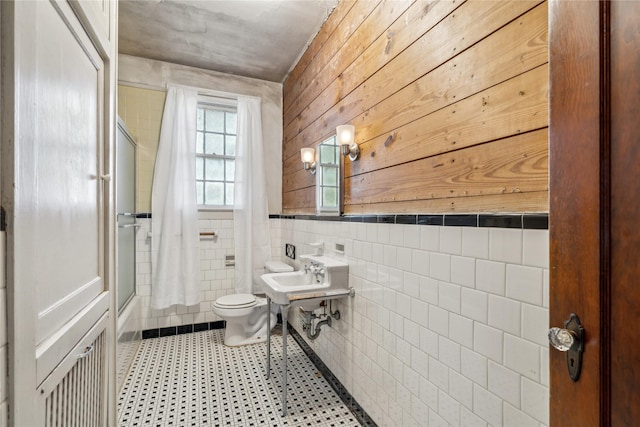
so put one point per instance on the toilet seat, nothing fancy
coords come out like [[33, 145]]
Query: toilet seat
[[236, 301]]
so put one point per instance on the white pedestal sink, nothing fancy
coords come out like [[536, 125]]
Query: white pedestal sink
[[323, 278]]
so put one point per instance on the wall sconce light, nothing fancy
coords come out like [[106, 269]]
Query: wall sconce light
[[346, 138], [308, 156]]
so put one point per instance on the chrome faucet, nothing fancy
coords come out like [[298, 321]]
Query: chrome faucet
[[316, 269], [307, 268]]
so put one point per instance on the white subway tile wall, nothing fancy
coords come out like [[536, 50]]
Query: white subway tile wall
[[216, 279], [448, 323]]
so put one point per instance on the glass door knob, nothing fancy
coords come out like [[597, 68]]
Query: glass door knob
[[561, 339], [570, 340]]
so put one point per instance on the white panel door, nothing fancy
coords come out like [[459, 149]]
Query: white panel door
[[57, 203]]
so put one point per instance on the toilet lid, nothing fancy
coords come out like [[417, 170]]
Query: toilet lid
[[236, 301]]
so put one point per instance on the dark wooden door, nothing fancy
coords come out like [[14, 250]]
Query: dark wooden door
[[595, 207]]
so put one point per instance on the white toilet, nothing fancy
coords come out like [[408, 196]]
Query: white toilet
[[246, 314]]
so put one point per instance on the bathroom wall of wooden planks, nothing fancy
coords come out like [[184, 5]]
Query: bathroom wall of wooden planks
[[461, 86]]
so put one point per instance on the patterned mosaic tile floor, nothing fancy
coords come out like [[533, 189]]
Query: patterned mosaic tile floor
[[194, 380]]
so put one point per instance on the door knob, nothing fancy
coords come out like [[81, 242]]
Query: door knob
[[561, 339], [570, 340]]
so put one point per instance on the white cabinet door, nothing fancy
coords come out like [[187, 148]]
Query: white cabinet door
[[57, 192]]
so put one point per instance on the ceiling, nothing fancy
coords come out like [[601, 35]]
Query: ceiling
[[262, 39]]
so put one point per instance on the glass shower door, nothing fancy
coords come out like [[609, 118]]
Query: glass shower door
[[126, 218]]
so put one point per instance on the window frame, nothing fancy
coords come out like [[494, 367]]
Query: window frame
[[322, 210], [216, 104]]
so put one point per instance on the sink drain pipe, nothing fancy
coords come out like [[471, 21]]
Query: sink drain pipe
[[314, 331]]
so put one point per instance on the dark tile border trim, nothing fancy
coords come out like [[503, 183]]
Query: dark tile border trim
[[518, 221], [358, 412], [500, 221], [535, 222], [460, 220], [386, 219], [430, 219], [406, 219], [182, 329], [539, 221]]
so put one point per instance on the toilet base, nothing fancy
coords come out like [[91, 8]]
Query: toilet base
[[237, 341], [236, 333]]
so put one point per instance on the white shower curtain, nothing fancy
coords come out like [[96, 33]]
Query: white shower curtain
[[175, 256], [251, 212]]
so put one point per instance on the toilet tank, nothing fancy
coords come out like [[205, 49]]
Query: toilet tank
[[269, 267], [276, 267]]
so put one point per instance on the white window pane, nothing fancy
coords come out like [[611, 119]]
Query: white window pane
[[214, 144], [327, 154], [229, 193], [214, 121], [199, 168], [200, 193], [230, 147], [214, 193], [214, 169], [199, 142], [329, 176], [231, 121], [230, 170], [329, 197]]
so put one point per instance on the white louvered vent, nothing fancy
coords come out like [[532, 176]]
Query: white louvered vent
[[77, 400]]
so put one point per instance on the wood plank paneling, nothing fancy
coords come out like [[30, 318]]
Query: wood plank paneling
[[516, 106], [445, 40], [299, 201], [459, 84], [519, 47], [509, 202], [383, 16], [384, 50], [512, 165], [292, 84], [354, 13], [297, 177]]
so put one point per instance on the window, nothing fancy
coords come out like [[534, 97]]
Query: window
[[215, 155], [328, 178]]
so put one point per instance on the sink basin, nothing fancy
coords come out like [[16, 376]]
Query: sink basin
[[298, 286]]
